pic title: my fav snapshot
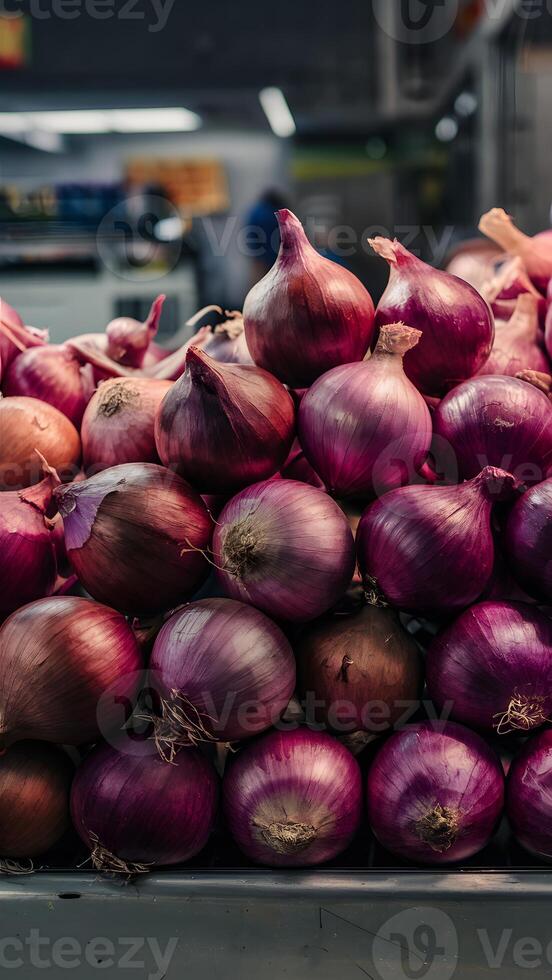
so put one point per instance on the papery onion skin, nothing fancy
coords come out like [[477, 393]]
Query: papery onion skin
[[293, 799], [35, 780], [26, 425], [136, 536], [492, 668], [536, 252], [518, 343], [128, 340], [529, 795], [456, 322], [474, 261], [307, 314], [497, 421], [119, 423], [15, 336], [548, 331], [227, 660], [528, 540], [435, 793], [69, 666], [429, 549], [286, 548], [363, 670], [141, 809], [224, 426], [54, 375], [503, 290], [364, 427], [28, 565], [227, 342]]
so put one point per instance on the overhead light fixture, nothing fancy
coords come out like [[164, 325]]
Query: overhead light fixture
[[277, 112], [171, 120], [97, 121], [12, 122]]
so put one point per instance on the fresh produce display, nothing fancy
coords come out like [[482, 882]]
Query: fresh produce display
[[291, 559]]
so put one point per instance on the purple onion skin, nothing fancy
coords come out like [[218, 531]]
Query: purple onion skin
[[528, 540], [364, 427], [28, 565], [496, 421], [430, 549], [494, 660], [435, 793], [456, 322], [54, 375], [293, 799], [284, 547], [231, 662], [307, 314], [529, 795], [142, 809]]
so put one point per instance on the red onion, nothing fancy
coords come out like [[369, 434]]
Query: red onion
[[435, 793], [548, 331], [364, 427], [227, 343], [134, 811], [307, 314], [456, 322], [293, 799], [128, 340], [474, 261], [34, 799], [284, 547], [362, 670], [27, 425], [15, 336], [136, 536], [497, 421], [493, 667], [529, 795], [528, 540], [28, 567], [429, 549], [223, 670], [166, 368], [55, 375], [68, 667], [224, 426], [118, 425], [297, 467], [518, 343], [536, 252], [511, 281]]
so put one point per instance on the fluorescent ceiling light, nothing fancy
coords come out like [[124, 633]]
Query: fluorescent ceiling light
[[277, 112], [173, 120], [70, 121], [82, 121], [12, 122]]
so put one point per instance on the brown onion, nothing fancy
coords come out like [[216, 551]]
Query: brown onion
[[136, 536], [27, 424], [224, 426], [363, 671], [118, 425], [35, 779], [307, 314], [69, 667]]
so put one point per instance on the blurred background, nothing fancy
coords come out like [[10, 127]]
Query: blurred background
[[145, 144]]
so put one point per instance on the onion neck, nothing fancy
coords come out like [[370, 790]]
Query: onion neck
[[395, 339], [439, 827], [500, 228], [288, 838], [292, 234], [40, 496], [23, 337], [538, 379], [495, 484], [392, 251], [524, 322]]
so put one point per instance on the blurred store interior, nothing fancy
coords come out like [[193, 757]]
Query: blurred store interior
[[140, 141]]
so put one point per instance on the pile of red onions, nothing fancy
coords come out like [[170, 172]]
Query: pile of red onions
[[429, 549], [492, 668], [284, 547], [529, 795], [135, 811], [35, 779], [27, 425], [307, 314], [223, 671], [518, 343], [435, 793], [119, 423], [536, 252], [293, 799], [359, 672], [136, 536], [496, 421], [528, 540], [456, 322], [69, 668], [364, 427], [224, 426], [28, 566]]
